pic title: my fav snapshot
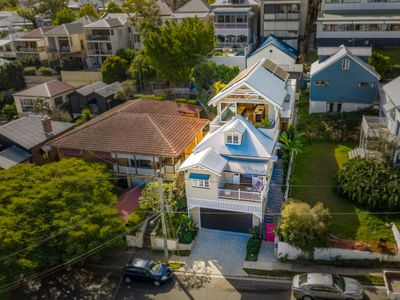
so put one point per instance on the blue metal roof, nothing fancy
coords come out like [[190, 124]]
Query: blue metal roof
[[278, 43]]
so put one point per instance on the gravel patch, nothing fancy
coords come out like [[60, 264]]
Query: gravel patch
[[218, 253]]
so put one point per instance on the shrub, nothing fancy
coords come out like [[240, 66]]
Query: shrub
[[136, 218], [253, 246], [188, 230], [30, 71], [193, 102], [180, 100], [44, 71], [158, 98], [255, 233], [218, 53]]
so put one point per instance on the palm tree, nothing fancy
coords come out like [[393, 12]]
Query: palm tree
[[291, 143], [41, 106]]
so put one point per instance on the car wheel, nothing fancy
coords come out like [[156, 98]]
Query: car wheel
[[128, 280], [307, 298], [156, 283]]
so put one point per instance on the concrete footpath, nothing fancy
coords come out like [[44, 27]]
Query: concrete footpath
[[111, 264]]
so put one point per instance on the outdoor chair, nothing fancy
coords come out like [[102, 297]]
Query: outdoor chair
[[258, 186]]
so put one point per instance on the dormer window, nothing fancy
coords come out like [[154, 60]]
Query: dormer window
[[232, 138]]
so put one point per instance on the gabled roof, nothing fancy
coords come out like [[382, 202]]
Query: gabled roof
[[85, 20], [66, 29], [37, 33], [358, 51], [263, 78], [194, 6], [121, 131], [235, 126], [11, 37], [12, 156], [278, 43], [4, 23], [166, 9], [392, 90], [17, 19], [28, 132], [87, 90], [108, 90], [208, 159], [255, 144], [106, 23], [48, 89], [121, 16], [343, 52]]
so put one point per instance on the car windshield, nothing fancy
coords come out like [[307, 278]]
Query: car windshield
[[338, 282], [154, 267]]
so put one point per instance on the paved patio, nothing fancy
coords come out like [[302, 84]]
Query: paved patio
[[218, 253]]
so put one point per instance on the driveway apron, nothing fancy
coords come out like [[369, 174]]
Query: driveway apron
[[218, 253]]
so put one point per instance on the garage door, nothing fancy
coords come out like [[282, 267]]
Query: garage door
[[225, 220]]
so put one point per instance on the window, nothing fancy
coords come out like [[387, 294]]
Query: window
[[45, 155], [58, 101], [26, 105], [201, 183], [120, 34], [366, 84], [345, 64], [232, 138], [141, 163], [321, 83]]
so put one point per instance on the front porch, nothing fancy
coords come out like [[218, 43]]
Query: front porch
[[242, 192]]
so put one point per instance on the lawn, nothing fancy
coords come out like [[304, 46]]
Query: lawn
[[313, 181], [393, 53]]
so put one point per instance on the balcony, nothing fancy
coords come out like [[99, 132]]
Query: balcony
[[135, 171], [282, 33], [231, 25], [100, 51], [242, 192], [98, 37], [7, 54], [30, 49], [282, 16]]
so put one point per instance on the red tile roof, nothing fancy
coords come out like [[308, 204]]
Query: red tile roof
[[122, 131], [48, 89], [142, 106]]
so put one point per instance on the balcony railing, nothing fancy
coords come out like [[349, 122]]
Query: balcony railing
[[8, 54], [171, 169], [282, 16], [239, 194], [100, 52], [135, 171], [231, 25], [30, 49], [281, 33], [98, 37]]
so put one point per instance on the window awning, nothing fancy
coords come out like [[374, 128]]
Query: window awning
[[46, 148], [103, 154], [199, 176], [247, 167], [71, 152]]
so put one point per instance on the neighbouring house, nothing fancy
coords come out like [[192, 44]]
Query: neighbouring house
[[7, 49], [263, 94], [105, 37], [236, 24], [285, 19], [68, 40], [98, 97], [15, 23], [358, 23], [227, 177], [53, 93], [193, 8], [380, 135], [3, 61], [341, 80], [137, 139], [33, 44], [24, 140], [277, 51]]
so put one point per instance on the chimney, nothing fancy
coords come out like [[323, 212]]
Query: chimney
[[47, 125]]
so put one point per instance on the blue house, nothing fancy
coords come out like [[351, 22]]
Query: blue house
[[342, 80]]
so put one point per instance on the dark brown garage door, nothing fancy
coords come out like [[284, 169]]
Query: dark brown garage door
[[225, 220]]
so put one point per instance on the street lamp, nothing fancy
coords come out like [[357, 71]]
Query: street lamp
[[140, 76]]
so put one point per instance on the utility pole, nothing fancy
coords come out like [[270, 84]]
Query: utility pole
[[164, 228]]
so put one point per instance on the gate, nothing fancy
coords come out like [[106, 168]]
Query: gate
[[270, 236]]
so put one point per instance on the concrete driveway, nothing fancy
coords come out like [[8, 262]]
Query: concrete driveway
[[218, 253]]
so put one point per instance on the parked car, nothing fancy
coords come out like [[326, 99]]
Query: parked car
[[315, 286], [146, 269]]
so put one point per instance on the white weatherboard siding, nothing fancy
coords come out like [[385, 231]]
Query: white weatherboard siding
[[353, 106], [317, 107]]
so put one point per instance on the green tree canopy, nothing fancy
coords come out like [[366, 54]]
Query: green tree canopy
[[64, 16], [87, 10], [177, 49], [29, 61], [126, 91], [127, 54], [12, 76], [150, 198], [303, 227], [291, 142], [68, 64], [114, 69], [113, 7], [380, 62], [54, 213], [147, 15], [51, 7], [86, 116]]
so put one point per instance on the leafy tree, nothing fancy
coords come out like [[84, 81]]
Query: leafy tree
[[12, 76], [127, 54], [28, 13], [114, 69], [68, 64], [177, 49], [61, 115], [150, 198], [291, 142], [218, 86], [303, 227], [50, 8], [142, 62], [54, 213], [64, 16], [126, 91], [370, 183], [29, 61], [380, 62], [86, 116], [41, 106], [9, 112], [113, 7], [147, 15], [87, 10]]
